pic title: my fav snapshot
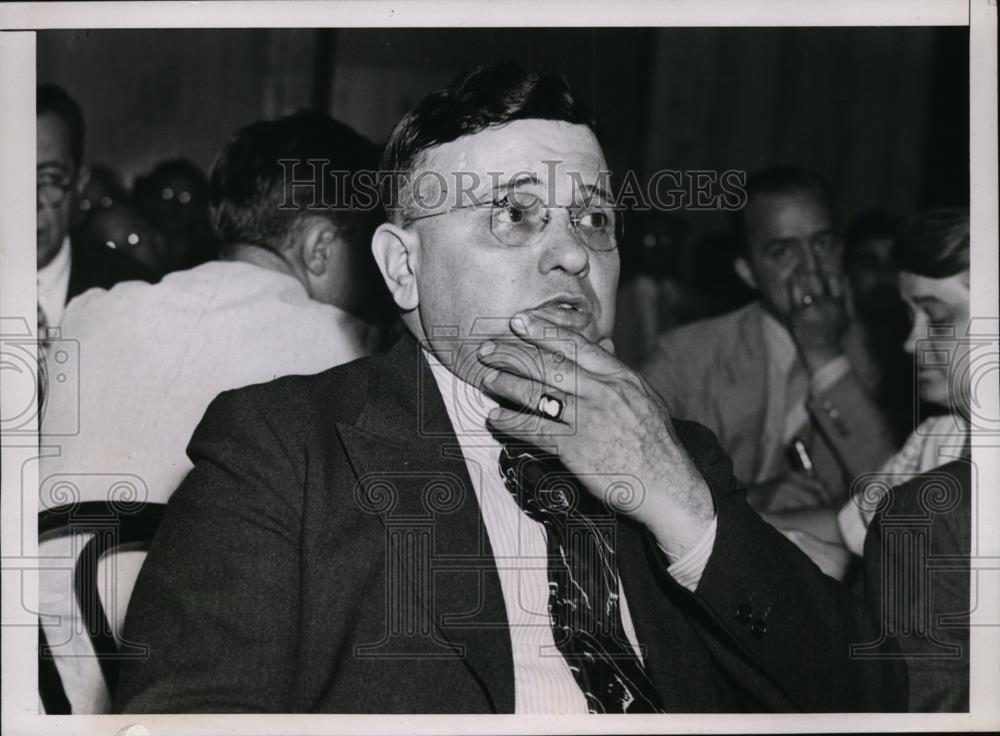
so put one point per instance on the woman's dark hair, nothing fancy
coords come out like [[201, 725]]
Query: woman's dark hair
[[934, 244], [482, 98]]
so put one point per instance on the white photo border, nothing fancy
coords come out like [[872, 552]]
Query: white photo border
[[17, 302]]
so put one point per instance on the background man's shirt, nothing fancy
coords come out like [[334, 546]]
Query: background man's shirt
[[152, 357], [53, 285]]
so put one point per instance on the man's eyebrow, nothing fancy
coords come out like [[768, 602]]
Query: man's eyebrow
[[601, 192], [520, 181]]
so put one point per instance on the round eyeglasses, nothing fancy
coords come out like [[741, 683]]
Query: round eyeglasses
[[52, 188], [518, 219]]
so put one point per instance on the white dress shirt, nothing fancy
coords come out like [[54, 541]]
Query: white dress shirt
[[543, 682], [786, 414], [53, 285]]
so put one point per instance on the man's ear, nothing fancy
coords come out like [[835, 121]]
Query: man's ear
[[319, 244], [396, 252], [742, 268]]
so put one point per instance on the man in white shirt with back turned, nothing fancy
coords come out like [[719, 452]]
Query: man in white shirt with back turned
[[294, 293]]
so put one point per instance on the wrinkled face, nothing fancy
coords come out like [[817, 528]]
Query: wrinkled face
[[469, 282], [789, 235], [940, 309], [56, 178]]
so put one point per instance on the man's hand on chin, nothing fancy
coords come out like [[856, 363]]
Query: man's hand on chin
[[604, 421]]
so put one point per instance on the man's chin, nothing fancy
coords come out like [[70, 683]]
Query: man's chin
[[47, 248], [933, 392]]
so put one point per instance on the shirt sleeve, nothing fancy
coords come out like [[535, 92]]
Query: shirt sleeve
[[853, 527], [687, 570]]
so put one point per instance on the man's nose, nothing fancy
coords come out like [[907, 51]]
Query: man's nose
[[808, 258], [563, 249], [918, 330]]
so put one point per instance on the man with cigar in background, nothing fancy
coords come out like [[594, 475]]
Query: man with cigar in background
[[787, 383], [498, 515]]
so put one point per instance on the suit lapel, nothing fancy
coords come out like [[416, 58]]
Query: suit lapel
[[412, 473]]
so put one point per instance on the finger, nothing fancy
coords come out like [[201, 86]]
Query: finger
[[835, 287], [529, 394], [531, 428], [795, 293], [813, 285], [529, 361], [555, 338]]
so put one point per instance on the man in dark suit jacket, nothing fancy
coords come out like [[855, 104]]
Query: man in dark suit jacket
[[916, 578], [346, 542]]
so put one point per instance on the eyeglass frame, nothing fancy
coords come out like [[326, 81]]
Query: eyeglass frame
[[618, 230], [64, 187]]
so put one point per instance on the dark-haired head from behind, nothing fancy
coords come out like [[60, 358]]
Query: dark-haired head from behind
[[277, 181], [485, 97], [934, 244], [273, 173]]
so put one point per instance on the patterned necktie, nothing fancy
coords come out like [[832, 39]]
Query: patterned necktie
[[583, 583]]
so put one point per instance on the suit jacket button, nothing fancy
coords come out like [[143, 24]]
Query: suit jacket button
[[759, 629], [744, 613]]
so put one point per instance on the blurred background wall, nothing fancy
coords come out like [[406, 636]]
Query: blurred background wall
[[883, 112]]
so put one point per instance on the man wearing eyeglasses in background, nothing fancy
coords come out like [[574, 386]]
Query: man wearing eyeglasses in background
[[497, 515], [66, 269]]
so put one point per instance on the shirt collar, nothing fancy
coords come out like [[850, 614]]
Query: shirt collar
[[50, 274], [466, 404]]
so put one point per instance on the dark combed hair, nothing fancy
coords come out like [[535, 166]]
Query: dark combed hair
[[778, 180], [274, 172], [934, 244], [482, 98], [52, 99]]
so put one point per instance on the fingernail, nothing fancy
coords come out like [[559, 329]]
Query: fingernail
[[491, 375], [519, 324], [487, 347]]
